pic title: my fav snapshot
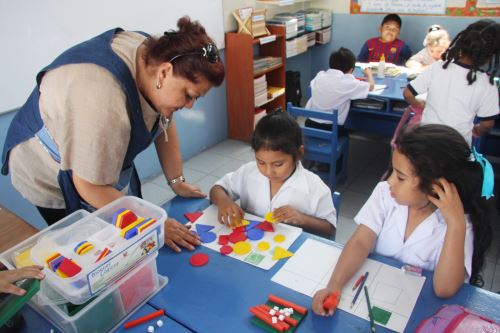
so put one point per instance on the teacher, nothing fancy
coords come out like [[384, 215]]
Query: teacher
[[96, 107]]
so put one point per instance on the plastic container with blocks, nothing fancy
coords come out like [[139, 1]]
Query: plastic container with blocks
[[97, 228]]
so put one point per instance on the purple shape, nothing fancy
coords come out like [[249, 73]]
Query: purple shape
[[203, 228], [255, 234], [208, 237]]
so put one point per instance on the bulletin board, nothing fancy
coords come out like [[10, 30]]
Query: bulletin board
[[479, 8]]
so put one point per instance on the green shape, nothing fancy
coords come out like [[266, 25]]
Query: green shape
[[380, 315], [459, 12], [11, 304], [471, 8], [254, 258]]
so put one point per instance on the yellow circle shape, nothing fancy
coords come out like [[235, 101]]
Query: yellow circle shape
[[269, 217], [241, 248], [263, 246], [279, 238]]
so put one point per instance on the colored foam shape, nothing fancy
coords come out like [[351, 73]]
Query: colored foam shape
[[266, 226], [255, 234], [77, 246], [241, 248], [198, 259], [116, 214], [281, 253], [124, 231], [223, 239], [192, 217], [226, 249], [23, 259], [279, 238], [144, 225], [103, 254], [202, 228], [69, 268], [263, 246], [125, 218], [331, 302], [208, 237], [252, 224], [236, 237], [54, 264], [86, 249], [240, 229], [270, 218]]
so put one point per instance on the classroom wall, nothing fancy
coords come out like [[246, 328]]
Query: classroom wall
[[198, 130]]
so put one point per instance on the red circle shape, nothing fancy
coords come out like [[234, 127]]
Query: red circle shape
[[226, 249], [199, 259]]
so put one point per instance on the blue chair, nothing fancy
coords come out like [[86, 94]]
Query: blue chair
[[336, 204], [324, 146]]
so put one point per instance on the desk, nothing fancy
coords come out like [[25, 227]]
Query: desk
[[216, 297], [379, 121], [13, 229]]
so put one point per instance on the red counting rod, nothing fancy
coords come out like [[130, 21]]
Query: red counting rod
[[287, 304], [288, 320], [266, 317], [143, 319]]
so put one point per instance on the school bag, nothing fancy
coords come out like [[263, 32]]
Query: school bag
[[457, 319], [292, 90]]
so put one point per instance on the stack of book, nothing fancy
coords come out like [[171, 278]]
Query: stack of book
[[260, 90], [289, 21], [263, 63], [273, 92], [324, 36], [311, 38], [313, 21]]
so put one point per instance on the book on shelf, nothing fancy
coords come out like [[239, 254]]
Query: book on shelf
[[273, 92]]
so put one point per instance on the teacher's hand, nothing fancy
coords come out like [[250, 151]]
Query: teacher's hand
[[178, 235], [188, 190]]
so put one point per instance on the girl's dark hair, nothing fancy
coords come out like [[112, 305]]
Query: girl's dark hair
[[481, 42], [440, 151], [343, 59], [191, 38], [278, 131]]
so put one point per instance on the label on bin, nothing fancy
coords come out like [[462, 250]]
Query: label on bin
[[119, 264]]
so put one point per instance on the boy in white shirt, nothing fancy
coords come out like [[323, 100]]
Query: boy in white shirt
[[333, 89]]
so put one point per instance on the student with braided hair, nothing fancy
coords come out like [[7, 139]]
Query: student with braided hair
[[461, 88]]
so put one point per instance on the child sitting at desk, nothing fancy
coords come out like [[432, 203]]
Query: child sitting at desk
[[394, 50], [333, 90], [277, 181], [457, 90], [436, 42], [430, 213]]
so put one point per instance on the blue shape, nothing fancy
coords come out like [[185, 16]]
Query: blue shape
[[255, 234], [203, 228], [252, 224], [208, 237], [115, 214]]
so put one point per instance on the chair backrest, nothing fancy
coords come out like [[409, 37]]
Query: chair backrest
[[297, 111], [412, 116], [336, 204]]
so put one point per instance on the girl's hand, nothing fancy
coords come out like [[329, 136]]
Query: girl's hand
[[178, 235], [288, 215], [319, 298], [230, 213], [448, 201], [188, 190], [8, 278]]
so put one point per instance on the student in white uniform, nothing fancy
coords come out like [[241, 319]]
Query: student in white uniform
[[458, 91], [277, 182], [333, 90], [433, 212]]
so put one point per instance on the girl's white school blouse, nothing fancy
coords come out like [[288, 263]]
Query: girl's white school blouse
[[388, 219], [304, 191]]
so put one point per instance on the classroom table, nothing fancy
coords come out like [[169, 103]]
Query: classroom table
[[35, 323], [217, 297], [379, 121], [13, 229]]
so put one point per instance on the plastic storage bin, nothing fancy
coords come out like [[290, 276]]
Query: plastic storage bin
[[98, 229]]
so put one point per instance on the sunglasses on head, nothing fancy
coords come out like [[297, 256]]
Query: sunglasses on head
[[209, 52], [434, 28]]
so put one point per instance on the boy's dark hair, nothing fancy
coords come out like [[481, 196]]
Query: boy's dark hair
[[392, 18], [440, 151], [278, 131], [343, 60], [481, 42]]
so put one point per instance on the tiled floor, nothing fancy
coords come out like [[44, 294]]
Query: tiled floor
[[368, 160]]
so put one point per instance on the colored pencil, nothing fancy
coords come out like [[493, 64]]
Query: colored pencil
[[370, 311], [358, 281], [365, 277]]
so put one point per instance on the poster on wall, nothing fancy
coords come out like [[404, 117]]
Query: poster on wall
[[482, 8]]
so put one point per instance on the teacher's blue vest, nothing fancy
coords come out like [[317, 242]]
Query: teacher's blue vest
[[28, 123]]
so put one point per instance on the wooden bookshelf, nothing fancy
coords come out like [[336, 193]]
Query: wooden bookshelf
[[239, 52]]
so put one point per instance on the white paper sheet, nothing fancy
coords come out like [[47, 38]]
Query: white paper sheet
[[261, 259], [389, 287]]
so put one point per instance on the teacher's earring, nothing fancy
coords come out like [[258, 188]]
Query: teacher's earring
[[158, 85]]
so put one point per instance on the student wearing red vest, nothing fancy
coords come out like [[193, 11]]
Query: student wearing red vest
[[394, 50]]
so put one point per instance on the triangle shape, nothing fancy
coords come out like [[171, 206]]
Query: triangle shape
[[202, 228], [252, 224], [266, 226], [192, 217], [281, 253]]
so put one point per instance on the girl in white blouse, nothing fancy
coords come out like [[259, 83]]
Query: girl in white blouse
[[432, 213]]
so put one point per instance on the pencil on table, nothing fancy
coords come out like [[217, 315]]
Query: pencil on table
[[358, 281], [365, 277]]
